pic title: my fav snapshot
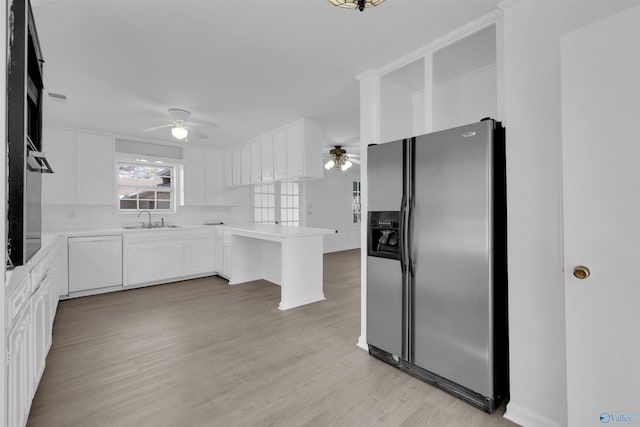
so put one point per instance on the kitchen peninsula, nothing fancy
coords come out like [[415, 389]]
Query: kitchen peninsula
[[288, 256], [115, 259]]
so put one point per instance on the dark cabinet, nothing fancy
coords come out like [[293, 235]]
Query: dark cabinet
[[24, 134]]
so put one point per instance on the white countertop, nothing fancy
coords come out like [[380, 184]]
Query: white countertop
[[274, 230]]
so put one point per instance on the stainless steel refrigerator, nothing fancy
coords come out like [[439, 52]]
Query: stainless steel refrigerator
[[436, 260]]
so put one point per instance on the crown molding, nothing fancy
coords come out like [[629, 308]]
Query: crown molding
[[367, 73], [505, 4]]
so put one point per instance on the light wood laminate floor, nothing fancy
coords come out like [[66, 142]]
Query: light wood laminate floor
[[203, 353]]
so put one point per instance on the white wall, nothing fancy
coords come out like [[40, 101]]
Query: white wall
[[330, 199], [532, 31], [83, 217]]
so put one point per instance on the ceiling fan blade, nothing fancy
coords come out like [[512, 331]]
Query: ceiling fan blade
[[356, 161], [357, 156], [197, 132], [156, 128], [211, 124]]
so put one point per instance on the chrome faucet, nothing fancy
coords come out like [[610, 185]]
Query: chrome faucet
[[141, 212]]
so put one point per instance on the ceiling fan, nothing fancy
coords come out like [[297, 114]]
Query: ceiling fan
[[340, 160], [180, 125]]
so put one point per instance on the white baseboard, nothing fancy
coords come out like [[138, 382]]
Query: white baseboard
[[302, 301], [528, 418], [244, 279], [362, 343]]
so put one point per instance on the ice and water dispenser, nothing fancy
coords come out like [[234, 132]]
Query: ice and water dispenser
[[384, 234]]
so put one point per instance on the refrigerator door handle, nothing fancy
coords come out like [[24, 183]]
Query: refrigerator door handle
[[404, 256], [409, 232]]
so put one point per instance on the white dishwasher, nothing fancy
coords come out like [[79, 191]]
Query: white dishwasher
[[94, 262]]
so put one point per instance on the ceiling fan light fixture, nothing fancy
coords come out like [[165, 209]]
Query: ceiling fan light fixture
[[355, 4], [331, 163], [179, 132]]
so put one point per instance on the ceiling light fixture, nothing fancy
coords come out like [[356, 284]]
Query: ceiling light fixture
[[179, 132], [338, 160], [355, 4]]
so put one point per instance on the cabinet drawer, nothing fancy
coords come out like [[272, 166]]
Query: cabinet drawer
[[42, 269], [135, 240], [17, 300]]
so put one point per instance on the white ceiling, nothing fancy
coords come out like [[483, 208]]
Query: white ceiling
[[249, 66]]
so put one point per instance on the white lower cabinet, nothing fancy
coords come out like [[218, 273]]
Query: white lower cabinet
[[168, 258], [153, 263], [140, 264], [159, 259], [200, 256], [19, 370], [30, 321]]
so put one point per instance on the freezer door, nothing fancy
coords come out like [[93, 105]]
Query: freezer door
[[451, 255], [384, 304], [384, 176], [384, 276]]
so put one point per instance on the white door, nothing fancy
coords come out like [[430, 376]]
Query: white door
[[601, 167]]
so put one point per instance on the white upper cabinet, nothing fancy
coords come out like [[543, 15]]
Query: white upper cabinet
[[236, 157], [194, 176], [245, 164], [295, 150], [228, 168], [266, 147], [94, 169], [215, 169], [83, 168], [203, 174], [58, 188], [291, 152], [256, 161], [280, 150]]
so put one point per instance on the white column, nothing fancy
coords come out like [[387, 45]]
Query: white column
[[369, 134]]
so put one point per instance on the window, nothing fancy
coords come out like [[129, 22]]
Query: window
[[144, 186], [355, 204], [277, 202], [290, 203], [264, 205]]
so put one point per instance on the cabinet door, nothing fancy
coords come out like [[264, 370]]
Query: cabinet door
[[194, 186], [94, 169], [168, 259], [94, 177], [59, 188], [19, 383], [228, 168], [237, 166], [256, 161], [280, 154], [295, 152], [40, 329], [215, 189], [245, 156], [140, 264], [266, 148], [199, 256]]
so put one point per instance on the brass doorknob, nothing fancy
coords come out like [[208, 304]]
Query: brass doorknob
[[581, 271]]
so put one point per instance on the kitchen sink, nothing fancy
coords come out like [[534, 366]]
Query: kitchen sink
[[146, 227]]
